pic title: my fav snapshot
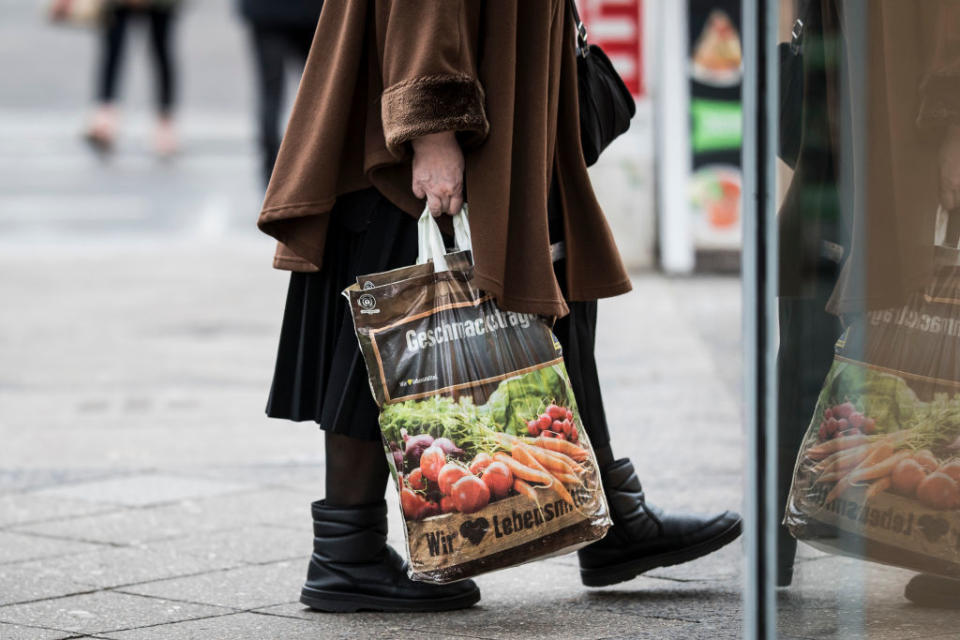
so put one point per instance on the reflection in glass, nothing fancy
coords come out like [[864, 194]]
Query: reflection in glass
[[869, 313]]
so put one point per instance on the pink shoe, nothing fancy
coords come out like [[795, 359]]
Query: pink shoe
[[165, 139], [102, 132]]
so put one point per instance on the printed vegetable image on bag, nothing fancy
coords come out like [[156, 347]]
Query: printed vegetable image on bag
[[878, 475], [478, 418]]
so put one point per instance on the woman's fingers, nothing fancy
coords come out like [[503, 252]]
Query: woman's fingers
[[418, 189], [434, 204], [456, 203]]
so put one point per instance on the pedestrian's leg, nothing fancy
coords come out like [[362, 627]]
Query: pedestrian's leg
[[113, 39], [161, 41], [577, 335], [356, 470], [352, 567], [268, 50], [643, 537], [102, 129], [807, 336], [161, 27]]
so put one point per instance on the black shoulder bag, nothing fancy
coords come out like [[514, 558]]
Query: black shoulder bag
[[606, 105], [791, 89]]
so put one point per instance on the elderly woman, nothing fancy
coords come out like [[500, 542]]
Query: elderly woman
[[407, 103]]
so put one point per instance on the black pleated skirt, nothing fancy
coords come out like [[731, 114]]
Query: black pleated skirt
[[320, 374]]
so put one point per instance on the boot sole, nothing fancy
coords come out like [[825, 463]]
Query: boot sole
[[606, 576], [333, 602]]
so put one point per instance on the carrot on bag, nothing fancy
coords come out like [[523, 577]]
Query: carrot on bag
[[523, 455], [525, 489], [879, 486], [881, 451], [522, 471], [862, 474], [847, 459], [837, 444], [553, 460], [561, 446], [878, 470], [568, 478]]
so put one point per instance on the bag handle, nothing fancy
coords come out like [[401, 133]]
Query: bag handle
[[431, 239], [583, 48]]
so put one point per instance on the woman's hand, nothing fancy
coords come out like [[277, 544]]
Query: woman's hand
[[438, 172], [950, 169]]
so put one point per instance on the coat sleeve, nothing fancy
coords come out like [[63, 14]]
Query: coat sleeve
[[940, 85], [428, 64]]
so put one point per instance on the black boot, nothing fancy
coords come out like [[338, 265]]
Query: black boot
[[353, 567], [643, 537], [786, 553], [929, 590]]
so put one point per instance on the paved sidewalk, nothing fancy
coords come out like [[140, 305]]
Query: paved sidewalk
[[144, 495]]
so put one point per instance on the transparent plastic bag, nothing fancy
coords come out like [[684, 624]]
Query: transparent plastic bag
[[479, 422], [878, 474]]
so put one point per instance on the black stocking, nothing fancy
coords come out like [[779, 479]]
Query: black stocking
[[604, 455], [356, 470]]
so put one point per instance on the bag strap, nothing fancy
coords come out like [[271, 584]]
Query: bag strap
[[583, 48], [796, 33], [430, 239]]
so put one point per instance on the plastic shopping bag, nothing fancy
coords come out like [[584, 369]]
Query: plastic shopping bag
[[878, 475], [479, 422]]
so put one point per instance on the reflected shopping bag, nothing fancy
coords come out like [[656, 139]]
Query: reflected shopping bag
[[478, 418], [878, 474]]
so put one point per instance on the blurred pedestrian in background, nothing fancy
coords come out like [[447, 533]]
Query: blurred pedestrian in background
[[281, 32], [114, 17]]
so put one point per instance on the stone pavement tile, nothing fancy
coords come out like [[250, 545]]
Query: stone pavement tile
[[298, 475], [282, 507], [716, 605], [104, 611], [545, 600], [253, 626], [23, 508], [243, 588], [18, 480], [19, 632], [37, 580], [17, 547], [144, 562], [722, 565], [838, 597], [532, 619], [257, 544], [143, 490]]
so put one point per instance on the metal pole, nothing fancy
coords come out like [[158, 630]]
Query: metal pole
[[759, 274]]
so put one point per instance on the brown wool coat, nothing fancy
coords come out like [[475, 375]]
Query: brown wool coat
[[502, 74]]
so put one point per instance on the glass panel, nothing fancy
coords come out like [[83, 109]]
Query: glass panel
[[865, 440]]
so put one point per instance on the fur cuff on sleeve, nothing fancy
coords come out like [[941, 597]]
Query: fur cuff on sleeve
[[430, 104]]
